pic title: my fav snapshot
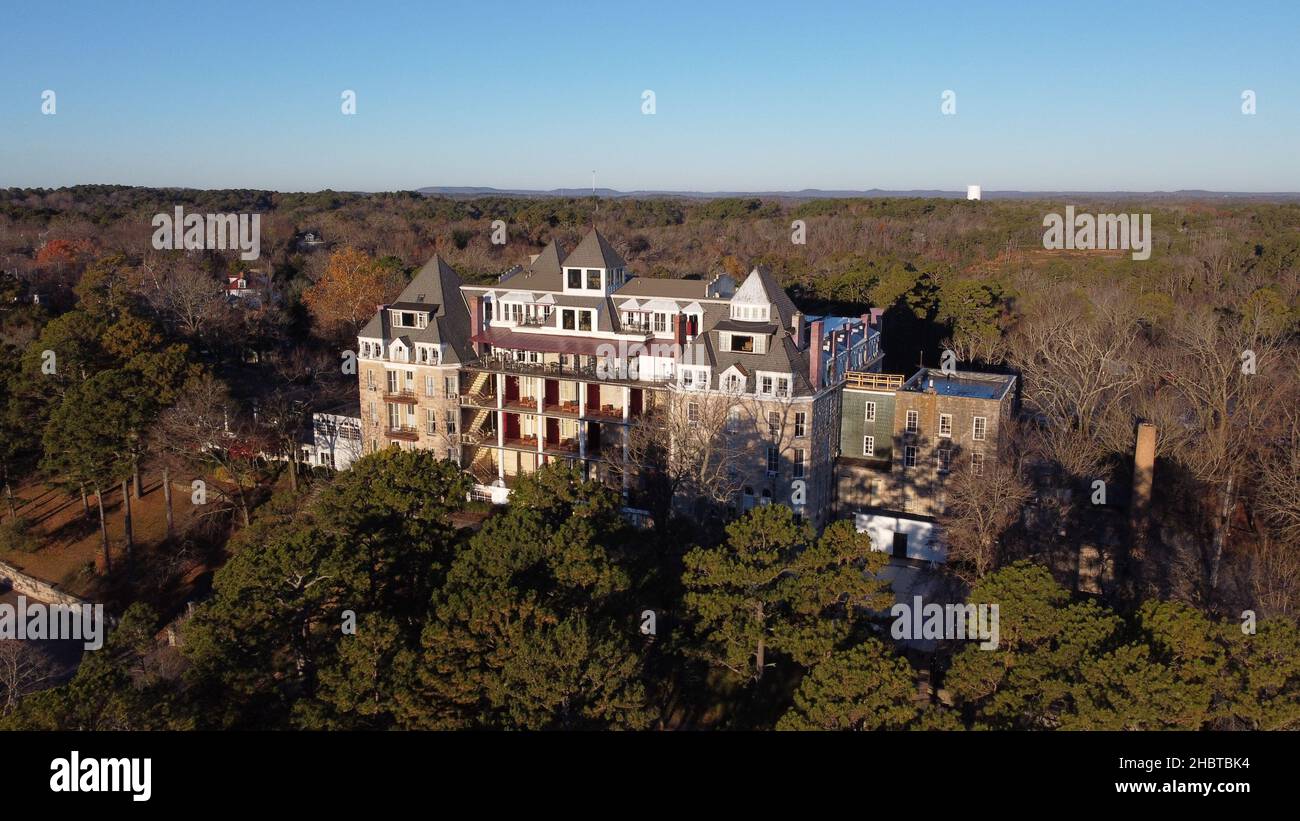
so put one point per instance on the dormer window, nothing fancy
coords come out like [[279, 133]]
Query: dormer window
[[575, 277], [409, 319], [741, 343], [593, 279], [751, 313]]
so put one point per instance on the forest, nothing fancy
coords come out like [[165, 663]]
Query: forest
[[379, 598]]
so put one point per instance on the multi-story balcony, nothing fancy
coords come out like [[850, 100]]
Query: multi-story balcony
[[582, 369]]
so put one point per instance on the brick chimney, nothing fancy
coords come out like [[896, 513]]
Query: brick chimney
[[815, 369]]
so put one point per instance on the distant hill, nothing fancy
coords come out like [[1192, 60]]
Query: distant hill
[[819, 193]]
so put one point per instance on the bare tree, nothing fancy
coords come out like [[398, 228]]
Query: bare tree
[[185, 294], [23, 669], [1279, 487], [982, 502], [206, 431], [1222, 367], [1077, 360]]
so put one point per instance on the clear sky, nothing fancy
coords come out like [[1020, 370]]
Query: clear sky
[[748, 96]]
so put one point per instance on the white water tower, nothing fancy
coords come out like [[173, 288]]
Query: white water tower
[[972, 192]]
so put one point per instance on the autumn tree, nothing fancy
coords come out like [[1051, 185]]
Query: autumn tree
[[345, 296]]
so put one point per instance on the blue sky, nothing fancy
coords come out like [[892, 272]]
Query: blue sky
[[749, 96]]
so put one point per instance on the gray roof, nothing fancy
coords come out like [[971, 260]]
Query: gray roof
[[594, 252], [667, 288], [434, 288], [542, 274]]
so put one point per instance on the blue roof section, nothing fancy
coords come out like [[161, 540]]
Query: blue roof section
[[972, 385]]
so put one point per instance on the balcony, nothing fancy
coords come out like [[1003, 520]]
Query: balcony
[[526, 403], [406, 397], [608, 412], [406, 433], [562, 408], [522, 442], [564, 447]]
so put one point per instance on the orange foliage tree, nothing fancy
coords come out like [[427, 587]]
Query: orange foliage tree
[[345, 296]]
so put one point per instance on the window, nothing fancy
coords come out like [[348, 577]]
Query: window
[[913, 421], [977, 463], [798, 464], [868, 446], [370, 379], [909, 456], [783, 386], [410, 381], [733, 420], [871, 412], [568, 318], [661, 323], [431, 420], [945, 424], [741, 343], [980, 428], [732, 384], [799, 423], [584, 320], [450, 418], [945, 458], [593, 279], [773, 424], [428, 386], [765, 385], [449, 386], [688, 378], [773, 460], [575, 277], [692, 412]]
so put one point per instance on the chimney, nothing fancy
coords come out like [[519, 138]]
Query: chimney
[[796, 329], [815, 356], [1144, 463], [831, 365]]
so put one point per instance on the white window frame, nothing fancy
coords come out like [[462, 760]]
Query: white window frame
[[869, 446], [913, 423], [979, 428], [909, 456], [945, 425], [869, 413]]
